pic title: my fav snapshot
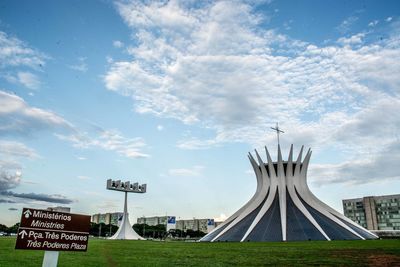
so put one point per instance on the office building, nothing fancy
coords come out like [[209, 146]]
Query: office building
[[152, 221], [374, 212], [203, 225], [108, 218]]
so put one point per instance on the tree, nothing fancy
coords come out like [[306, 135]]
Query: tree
[[13, 229], [102, 229], [192, 233], [3, 228], [154, 231]]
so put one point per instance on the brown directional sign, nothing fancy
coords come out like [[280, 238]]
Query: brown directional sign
[[51, 230], [54, 220], [51, 240]]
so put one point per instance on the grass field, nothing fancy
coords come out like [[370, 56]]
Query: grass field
[[152, 253]]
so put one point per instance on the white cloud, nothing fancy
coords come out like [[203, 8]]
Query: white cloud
[[184, 172], [14, 52], [195, 143], [80, 66], [29, 80], [109, 59], [214, 66], [360, 170], [389, 19], [156, 13], [24, 78], [354, 39], [373, 23], [17, 117], [346, 24], [160, 127], [379, 120], [16, 149], [11, 153], [118, 44], [9, 78], [9, 164], [110, 140], [9, 181]]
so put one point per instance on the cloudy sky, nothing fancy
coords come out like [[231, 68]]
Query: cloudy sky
[[176, 93]]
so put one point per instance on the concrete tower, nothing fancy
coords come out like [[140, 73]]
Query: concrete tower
[[125, 230]]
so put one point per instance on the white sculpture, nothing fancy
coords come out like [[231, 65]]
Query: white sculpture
[[125, 230]]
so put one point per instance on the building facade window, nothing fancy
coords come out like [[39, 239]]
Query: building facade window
[[383, 212]]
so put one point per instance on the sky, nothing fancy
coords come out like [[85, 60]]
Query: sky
[[174, 94]]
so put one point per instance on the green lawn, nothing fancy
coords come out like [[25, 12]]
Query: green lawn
[[152, 253]]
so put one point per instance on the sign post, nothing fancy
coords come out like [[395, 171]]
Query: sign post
[[52, 231], [50, 258]]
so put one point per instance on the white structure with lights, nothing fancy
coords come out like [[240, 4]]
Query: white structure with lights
[[125, 230], [284, 209]]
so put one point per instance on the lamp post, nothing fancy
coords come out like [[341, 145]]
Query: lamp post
[[125, 230]]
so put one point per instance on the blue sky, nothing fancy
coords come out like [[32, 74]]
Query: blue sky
[[176, 93]]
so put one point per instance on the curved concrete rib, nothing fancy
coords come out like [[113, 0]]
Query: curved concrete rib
[[313, 201], [282, 192], [258, 198], [330, 209], [271, 196], [290, 186], [333, 211]]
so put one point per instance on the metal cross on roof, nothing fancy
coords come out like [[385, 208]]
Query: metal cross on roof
[[278, 131]]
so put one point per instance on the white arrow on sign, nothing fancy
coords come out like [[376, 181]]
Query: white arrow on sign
[[27, 213], [23, 233]]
